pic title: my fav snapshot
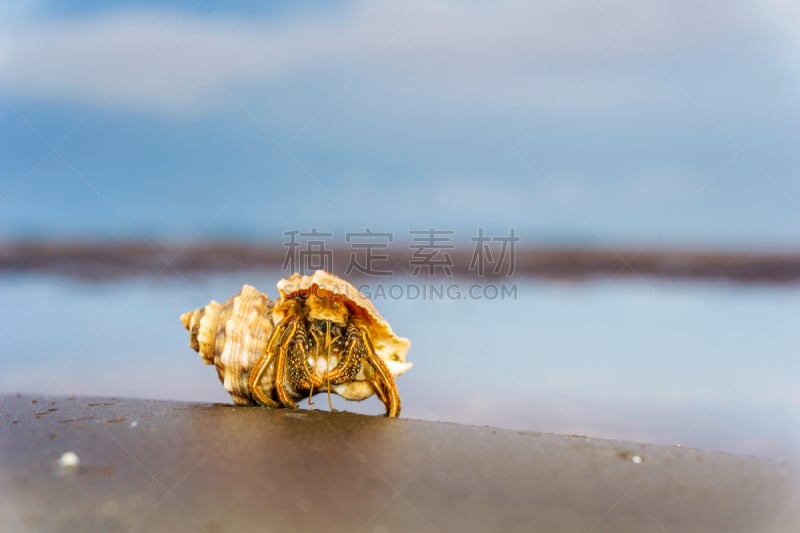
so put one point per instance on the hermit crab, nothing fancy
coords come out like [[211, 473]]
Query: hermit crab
[[320, 335]]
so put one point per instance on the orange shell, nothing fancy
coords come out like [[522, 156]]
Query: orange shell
[[388, 346]]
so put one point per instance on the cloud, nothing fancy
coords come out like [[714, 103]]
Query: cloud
[[512, 51]]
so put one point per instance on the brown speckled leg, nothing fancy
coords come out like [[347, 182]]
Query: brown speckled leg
[[359, 350], [261, 366], [351, 358], [391, 397], [280, 366], [385, 387]]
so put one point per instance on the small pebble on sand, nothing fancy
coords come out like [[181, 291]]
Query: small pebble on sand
[[69, 461]]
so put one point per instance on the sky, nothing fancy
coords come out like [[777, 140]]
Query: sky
[[640, 123]]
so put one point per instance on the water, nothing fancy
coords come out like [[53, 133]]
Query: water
[[708, 366]]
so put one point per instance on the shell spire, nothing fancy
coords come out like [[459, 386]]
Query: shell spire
[[186, 319], [232, 336]]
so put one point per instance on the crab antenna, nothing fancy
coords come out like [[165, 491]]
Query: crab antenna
[[311, 403], [328, 363]]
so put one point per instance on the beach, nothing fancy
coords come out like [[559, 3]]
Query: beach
[[110, 464]]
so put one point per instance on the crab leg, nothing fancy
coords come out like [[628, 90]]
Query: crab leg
[[389, 395], [301, 375], [280, 367], [384, 384], [349, 364], [260, 367], [329, 344], [359, 349]]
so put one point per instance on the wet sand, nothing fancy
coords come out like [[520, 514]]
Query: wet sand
[[169, 466]]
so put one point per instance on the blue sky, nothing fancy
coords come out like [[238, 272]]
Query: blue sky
[[627, 122]]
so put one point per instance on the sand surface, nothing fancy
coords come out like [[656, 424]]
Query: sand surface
[[155, 466]]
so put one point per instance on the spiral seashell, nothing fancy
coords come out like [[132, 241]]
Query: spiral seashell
[[361, 358], [232, 336]]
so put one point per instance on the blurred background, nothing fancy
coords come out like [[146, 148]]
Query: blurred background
[[156, 155]]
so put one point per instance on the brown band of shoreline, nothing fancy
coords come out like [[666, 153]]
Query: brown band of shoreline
[[114, 260]]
